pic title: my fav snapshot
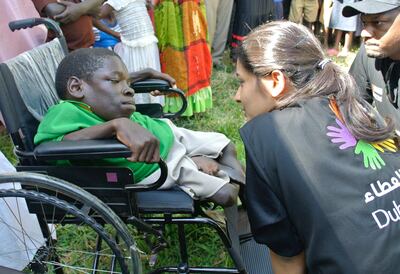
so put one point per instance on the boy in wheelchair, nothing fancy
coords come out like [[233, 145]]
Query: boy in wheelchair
[[97, 103]]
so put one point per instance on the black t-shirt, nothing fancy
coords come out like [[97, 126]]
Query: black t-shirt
[[373, 76], [311, 187]]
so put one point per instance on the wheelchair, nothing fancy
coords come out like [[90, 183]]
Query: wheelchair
[[95, 200]]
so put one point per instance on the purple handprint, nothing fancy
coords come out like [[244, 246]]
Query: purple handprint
[[341, 135]]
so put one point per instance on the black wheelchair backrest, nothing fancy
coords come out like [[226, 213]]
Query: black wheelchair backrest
[[27, 90]]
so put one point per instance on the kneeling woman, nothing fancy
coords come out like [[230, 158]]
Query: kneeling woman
[[323, 172]]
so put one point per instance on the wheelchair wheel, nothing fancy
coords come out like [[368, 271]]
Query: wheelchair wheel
[[77, 233]]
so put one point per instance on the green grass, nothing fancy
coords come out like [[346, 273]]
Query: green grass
[[225, 117]]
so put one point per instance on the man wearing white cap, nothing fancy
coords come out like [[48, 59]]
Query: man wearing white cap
[[376, 67]]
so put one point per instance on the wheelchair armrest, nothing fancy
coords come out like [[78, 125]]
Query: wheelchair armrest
[[146, 86], [152, 186], [95, 149], [81, 150]]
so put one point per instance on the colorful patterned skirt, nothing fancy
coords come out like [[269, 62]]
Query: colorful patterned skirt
[[181, 29]]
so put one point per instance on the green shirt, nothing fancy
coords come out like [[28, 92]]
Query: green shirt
[[70, 116]]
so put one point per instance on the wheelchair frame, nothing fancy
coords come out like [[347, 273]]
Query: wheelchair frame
[[139, 199]]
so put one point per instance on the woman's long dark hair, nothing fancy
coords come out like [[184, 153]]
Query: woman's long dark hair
[[294, 50]]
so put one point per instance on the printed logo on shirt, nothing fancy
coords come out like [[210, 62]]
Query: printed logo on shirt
[[377, 92], [341, 135], [382, 216]]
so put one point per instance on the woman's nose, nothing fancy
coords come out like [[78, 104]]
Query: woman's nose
[[237, 96]]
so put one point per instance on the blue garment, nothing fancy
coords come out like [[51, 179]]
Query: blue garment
[[105, 40], [338, 21]]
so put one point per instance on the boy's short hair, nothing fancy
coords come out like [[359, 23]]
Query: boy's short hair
[[81, 63]]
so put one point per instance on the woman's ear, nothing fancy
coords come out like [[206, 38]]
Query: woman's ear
[[274, 83], [75, 87], [279, 83]]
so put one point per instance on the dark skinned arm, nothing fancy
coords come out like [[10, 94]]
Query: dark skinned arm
[[53, 9], [99, 25], [151, 73], [143, 144], [288, 265], [73, 11]]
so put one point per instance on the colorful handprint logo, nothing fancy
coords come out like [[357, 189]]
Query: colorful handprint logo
[[341, 135]]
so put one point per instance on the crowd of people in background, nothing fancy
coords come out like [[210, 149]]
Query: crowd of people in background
[[297, 201], [183, 39]]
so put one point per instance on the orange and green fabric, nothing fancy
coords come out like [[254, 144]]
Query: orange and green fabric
[[181, 28]]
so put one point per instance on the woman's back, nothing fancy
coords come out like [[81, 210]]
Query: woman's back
[[314, 187]]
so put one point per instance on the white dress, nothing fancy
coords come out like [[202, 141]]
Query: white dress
[[138, 47], [17, 248]]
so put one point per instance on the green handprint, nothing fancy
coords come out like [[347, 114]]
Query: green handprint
[[370, 155]]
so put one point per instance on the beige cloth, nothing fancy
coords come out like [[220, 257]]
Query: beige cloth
[[325, 13], [182, 171], [303, 10], [218, 19]]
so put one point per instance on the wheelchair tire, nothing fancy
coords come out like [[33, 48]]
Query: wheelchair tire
[[75, 216]]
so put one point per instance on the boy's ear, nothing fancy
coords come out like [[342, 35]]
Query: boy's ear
[[75, 87]]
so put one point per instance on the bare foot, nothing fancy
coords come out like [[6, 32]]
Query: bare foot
[[343, 53], [207, 165], [332, 52]]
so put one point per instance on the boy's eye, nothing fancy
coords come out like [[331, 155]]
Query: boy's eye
[[114, 81]]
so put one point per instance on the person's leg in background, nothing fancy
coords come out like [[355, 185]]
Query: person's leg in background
[[334, 51], [348, 41], [211, 14], [224, 13], [218, 18], [296, 11], [310, 12], [325, 17], [2, 127], [278, 4], [286, 8]]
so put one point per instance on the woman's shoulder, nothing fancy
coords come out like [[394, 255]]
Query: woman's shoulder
[[299, 113]]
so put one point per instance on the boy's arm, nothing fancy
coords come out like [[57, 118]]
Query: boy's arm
[[288, 265], [143, 144], [229, 157]]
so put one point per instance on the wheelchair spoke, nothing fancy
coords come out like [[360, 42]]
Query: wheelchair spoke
[[14, 230], [70, 225], [81, 269]]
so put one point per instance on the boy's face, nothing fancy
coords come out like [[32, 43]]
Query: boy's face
[[108, 92]]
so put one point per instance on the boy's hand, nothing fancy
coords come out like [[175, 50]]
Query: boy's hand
[[145, 146], [164, 76], [207, 165]]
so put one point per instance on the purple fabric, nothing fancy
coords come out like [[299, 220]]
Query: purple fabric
[[341, 135]]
